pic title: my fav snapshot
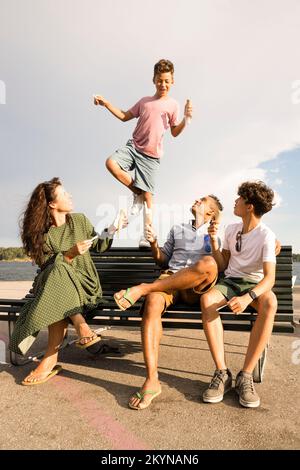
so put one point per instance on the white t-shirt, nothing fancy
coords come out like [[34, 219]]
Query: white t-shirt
[[258, 246]]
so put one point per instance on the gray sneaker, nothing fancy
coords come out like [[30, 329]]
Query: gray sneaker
[[244, 387], [220, 384]]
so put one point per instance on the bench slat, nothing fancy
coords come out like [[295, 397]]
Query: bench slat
[[232, 326]]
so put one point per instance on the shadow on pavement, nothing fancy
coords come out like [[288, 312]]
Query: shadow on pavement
[[189, 388]]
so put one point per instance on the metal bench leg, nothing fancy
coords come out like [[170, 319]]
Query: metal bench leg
[[259, 369], [4, 339], [18, 360]]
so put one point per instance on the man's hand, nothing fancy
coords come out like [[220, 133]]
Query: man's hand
[[239, 304], [150, 234], [98, 99], [213, 230]]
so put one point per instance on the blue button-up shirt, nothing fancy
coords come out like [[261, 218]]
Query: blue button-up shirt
[[185, 245]]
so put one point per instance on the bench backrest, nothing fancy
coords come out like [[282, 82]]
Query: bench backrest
[[119, 268], [123, 267]]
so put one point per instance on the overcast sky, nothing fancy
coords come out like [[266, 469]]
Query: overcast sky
[[237, 60]]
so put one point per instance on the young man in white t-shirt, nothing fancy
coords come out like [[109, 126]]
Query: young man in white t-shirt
[[248, 262]]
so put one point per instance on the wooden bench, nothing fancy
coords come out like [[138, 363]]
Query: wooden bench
[[123, 267]]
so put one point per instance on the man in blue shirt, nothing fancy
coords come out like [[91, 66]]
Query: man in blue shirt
[[189, 272]]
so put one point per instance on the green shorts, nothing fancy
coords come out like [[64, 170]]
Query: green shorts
[[145, 167], [234, 286]]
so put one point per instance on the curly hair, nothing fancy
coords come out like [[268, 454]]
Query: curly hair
[[163, 66], [36, 219], [259, 195]]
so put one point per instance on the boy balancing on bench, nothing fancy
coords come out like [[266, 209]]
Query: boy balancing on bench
[[248, 259], [142, 154]]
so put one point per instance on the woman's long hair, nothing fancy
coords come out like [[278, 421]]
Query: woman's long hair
[[36, 219]]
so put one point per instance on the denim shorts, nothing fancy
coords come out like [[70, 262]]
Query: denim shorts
[[144, 167]]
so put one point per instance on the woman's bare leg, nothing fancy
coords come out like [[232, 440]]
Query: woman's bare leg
[[56, 336], [82, 328]]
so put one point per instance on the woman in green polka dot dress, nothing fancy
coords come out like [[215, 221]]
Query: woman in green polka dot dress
[[68, 285]]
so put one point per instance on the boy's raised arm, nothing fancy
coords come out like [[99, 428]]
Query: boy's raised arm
[[118, 113], [176, 130], [188, 110]]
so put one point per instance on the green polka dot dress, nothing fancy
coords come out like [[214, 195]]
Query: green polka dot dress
[[61, 289]]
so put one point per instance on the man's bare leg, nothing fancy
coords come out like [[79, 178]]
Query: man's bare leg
[[121, 175], [57, 333], [213, 327], [202, 272], [151, 336], [266, 306]]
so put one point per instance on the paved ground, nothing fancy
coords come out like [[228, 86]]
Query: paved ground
[[86, 406]]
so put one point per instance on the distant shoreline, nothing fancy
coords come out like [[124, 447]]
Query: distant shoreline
[[16, 260]]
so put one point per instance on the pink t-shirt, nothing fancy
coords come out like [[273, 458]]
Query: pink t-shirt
[[155, 117]]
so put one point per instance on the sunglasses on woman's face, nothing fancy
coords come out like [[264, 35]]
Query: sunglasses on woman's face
[[238, 245]]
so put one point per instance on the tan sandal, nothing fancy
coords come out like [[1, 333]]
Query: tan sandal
[[125, 296], [94, 338], [51, 374], [140, 396]]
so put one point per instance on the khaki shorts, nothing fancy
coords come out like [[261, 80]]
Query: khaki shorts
[[189, 296]]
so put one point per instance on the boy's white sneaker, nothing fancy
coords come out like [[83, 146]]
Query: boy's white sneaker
[[137, 205], [147, 222]]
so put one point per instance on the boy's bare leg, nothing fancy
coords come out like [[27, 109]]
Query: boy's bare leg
[[147, 218], [266, 306], [148, 199], [57, 333], [121, 175], [212, 325], [202, 272], [151, 336]]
